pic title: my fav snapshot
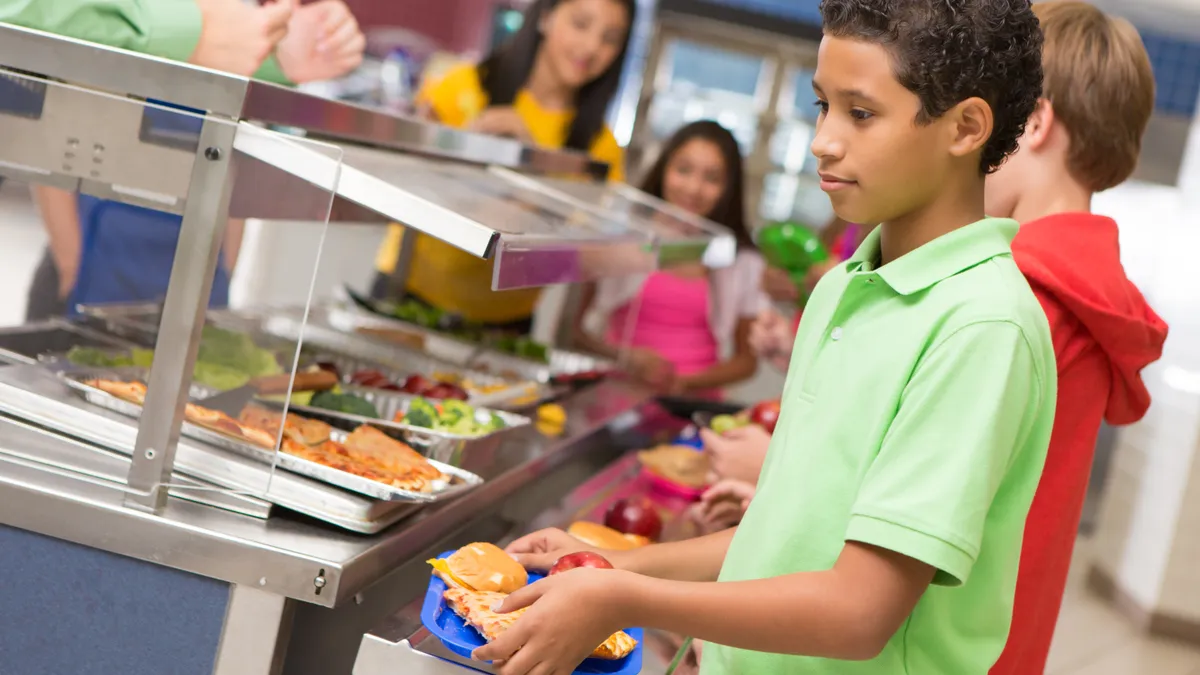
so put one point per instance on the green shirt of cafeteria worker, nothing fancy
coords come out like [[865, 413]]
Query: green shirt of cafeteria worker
[[916, 416], [165, 28]]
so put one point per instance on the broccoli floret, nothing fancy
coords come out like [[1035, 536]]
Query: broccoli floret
[[421, 413], [457, 409], [344, 403], [496, 423]]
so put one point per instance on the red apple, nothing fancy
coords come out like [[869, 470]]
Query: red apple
[[634, 516], [417, 384], [580, 559], [765, 415]]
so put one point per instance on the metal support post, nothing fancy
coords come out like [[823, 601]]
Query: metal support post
[[204, 219]]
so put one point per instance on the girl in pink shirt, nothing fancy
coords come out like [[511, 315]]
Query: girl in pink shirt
[[687, 326]]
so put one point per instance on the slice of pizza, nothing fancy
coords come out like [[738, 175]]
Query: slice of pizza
[[300, 429], [375, 447], [475, 608], [134, 392]]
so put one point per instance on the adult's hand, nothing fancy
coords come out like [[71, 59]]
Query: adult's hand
[[323, 42], [236, 37]]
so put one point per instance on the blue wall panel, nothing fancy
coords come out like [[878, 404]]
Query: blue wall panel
[[67, 609]]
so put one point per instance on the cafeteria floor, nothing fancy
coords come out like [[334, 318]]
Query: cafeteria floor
[[1094, 639]]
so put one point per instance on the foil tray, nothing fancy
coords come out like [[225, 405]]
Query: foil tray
[[460, 480]]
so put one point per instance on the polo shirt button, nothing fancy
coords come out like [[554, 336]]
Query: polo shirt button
[[836, 333]]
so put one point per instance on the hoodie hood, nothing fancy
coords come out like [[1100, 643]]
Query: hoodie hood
[[1075, 260]]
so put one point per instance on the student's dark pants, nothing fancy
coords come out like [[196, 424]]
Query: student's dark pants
[[44, 302]]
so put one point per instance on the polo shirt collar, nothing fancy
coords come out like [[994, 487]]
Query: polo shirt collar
[[941, 258]]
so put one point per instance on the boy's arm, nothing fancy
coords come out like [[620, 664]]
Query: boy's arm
[[697, 559], [60, 216]]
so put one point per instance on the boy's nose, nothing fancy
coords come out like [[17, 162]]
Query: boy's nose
[[825, 144]]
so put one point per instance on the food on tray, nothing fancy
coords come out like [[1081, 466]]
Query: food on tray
[[765, 415], [522, 346], [481, 567], [678, 463], [450, 416], [595, 534], [375, 447], [297, 428], [226, 360], [400, 337], [367, 453], [134, 392], [475, 608], [418, 385], [344, 403], [635, 515], [581, 559]]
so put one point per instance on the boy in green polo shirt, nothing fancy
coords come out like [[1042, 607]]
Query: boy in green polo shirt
[[886, 531]]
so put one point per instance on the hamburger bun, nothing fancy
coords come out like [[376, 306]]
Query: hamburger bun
[[481, 567], [600, 536]]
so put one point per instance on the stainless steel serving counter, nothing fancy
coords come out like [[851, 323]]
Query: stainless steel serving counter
[[300, 595]]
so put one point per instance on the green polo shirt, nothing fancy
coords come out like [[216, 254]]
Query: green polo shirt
[[166, 28], [916, 416]]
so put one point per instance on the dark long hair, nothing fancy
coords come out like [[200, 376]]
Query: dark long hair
[[504, 72], [730, 209]]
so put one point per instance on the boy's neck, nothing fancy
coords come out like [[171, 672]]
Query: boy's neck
[[956, 207], [1052, 197]]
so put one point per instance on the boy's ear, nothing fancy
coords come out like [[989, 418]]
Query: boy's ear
[[1039, 125], [971, 124]]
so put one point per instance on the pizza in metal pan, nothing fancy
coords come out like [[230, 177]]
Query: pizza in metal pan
[[475, 608]]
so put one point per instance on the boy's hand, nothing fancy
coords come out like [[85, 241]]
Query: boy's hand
[[540, 550], [738, 453], [323, 42], [570, 614], [772, 338]]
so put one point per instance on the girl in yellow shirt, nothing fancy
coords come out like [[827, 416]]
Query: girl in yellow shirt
[[550, 85]]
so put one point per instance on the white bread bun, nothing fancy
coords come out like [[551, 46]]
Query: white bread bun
[[601, 536], [481, 567]]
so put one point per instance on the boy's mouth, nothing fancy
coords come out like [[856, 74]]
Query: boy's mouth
[[832, 183]]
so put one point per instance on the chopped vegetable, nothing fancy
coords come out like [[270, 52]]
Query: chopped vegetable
[[344, 403], [98, 358], [451, 416], [421, 413]]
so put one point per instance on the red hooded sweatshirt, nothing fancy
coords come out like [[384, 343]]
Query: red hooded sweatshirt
[[1104, 334]]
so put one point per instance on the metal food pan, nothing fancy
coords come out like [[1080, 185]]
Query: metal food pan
[[561, 362], [461, 480], [389, 404], [35, 342]]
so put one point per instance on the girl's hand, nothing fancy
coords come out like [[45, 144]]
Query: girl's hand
[[501, 121], [737, 454], [772, 338], [648, 367], [778, 284]]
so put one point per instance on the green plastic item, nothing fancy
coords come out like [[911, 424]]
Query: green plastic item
[[794, 248]]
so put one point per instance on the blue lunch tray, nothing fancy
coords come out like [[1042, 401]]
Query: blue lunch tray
[[462, 639]]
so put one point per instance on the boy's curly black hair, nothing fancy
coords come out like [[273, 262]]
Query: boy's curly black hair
[[946, 51]]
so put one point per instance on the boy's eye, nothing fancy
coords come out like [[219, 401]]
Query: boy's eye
[[860, 115], [823, 106]]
